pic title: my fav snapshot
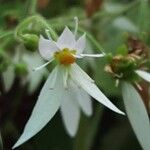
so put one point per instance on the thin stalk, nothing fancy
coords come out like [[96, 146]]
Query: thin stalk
[[32, 5], [143, 15], [88, 131], [1, 143], [6, 34]]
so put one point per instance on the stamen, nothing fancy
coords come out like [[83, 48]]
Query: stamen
[[65, 78], [42, 66], [54, 79], [78, 56], [117, 82], [92, 55], [65, 56], [76, 25], [48, 34], [138, 86]]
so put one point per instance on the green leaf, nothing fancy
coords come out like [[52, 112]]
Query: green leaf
[[113, 7], [137, 114], [122, 50], [125, 24], [144, 75]]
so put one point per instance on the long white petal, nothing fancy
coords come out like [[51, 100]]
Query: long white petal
[[137, 114], [44, 110], [70, 112], [144, 75], [83, 80], [81, 72], [66, 39], [80, 44], [47, 48]]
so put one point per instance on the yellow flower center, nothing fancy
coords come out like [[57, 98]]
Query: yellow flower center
[[65, 56]]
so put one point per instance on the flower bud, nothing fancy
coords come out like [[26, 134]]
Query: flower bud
[[20, 69], [30, 41]]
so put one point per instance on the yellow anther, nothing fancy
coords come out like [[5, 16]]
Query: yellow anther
[[65, 56]]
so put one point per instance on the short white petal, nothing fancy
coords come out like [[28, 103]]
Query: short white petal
[[80, 44], [66, 39], [85, 103], [83, 99], [137, 114], [144, 75], [70, 112], [82, 80], [44, 110], [47, 48]]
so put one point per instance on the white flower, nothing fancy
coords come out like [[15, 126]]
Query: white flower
[[68, 87]]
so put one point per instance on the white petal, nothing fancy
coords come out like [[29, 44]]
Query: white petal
[[83, 99], [144, 75], [47, 48], [44, 110], [85, 102], [137, 114], [8, 78], [70, 112], [66, 39], [80, 44], [82, 79], [81, 72]]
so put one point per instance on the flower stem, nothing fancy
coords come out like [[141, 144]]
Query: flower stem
[[84, 139], [1, 143], [32, 4]]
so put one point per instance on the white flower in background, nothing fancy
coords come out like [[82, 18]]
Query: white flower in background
[[33, 78], [68, 87], [136, 110]]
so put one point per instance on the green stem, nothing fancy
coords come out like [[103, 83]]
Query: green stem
[[6, 34], [88, 131], [143, 15], [37, 19], [1, 143], [32, 5]]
